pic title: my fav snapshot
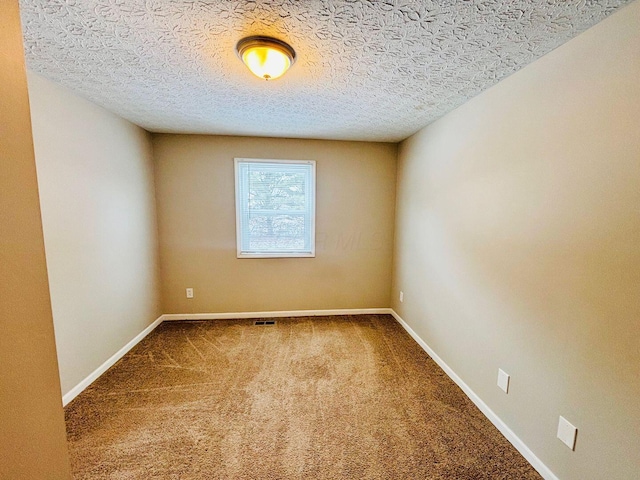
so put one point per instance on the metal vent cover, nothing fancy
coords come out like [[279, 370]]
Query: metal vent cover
[[264, 322]]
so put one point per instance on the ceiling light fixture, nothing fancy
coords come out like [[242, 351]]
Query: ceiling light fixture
[[266, 57]]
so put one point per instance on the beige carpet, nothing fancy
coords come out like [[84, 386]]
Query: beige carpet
[[313, 398]]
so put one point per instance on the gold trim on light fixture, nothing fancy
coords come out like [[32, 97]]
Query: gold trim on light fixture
[[266, 57]]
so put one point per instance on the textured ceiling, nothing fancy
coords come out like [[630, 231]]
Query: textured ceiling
[[366, 70]]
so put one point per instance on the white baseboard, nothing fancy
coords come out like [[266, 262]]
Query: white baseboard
[[274, 314], [526, 452], [75, 391]]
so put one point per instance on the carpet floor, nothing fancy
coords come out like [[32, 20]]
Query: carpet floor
[[314, 398]]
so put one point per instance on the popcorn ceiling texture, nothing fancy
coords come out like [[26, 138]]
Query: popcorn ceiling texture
[[366, 70]]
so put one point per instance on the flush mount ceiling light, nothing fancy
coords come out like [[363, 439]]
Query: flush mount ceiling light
[[266, 57]]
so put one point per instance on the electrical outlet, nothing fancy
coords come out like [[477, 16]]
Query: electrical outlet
[[401, 296], [503, 380], [189, 292], [567, 433]]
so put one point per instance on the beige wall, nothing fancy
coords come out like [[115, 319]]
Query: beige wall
[[518, 246], [95, 172], [32, 436], [196, 213]]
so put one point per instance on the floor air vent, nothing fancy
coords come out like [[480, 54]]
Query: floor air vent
[[265, 322]]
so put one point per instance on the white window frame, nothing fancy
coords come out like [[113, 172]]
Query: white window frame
[[311, 252]]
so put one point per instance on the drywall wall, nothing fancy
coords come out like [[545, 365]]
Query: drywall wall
[[32, 436], [196, 214], [518, 246], [95, 172]]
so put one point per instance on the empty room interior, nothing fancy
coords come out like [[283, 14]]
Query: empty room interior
[[328, 239]]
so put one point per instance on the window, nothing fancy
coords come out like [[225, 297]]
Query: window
[[275, 208]]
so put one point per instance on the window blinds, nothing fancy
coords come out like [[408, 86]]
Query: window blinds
[[275, 202]]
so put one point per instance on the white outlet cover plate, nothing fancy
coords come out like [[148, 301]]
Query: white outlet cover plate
[[189, 292], [503, 380], [567, 433]]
